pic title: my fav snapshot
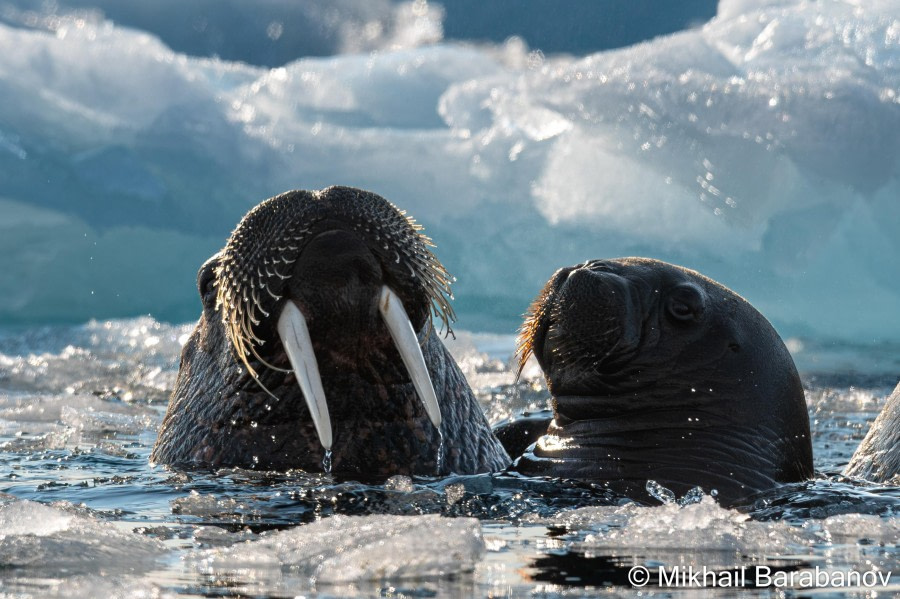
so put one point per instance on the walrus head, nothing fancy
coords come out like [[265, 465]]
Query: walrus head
[[306, 262], [318, 314], [658, 372]]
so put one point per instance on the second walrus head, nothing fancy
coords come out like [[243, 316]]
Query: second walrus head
[[660, 373], [316, 344]]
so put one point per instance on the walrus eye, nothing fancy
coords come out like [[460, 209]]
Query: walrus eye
[[686, 302], [206, 279]]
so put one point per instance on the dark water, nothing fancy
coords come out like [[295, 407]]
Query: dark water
[[83, 514]]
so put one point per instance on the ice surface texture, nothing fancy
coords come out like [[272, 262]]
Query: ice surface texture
[[45, 539], [347, 548], [761, 149]]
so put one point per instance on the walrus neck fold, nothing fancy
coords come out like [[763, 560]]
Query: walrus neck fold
[[632, 412]]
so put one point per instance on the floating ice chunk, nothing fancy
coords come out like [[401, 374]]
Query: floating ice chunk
[[39, 537], [130, 359], [347, 548], [197, 504], [30, 518], [399, 483], [104, 584], [852, 529], [698, 527]]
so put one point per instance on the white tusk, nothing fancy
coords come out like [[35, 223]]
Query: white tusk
[[404, 336], [297, 343]]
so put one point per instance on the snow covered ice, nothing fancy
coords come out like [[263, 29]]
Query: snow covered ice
[[761, 148]]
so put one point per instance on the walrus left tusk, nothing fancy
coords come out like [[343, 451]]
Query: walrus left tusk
[[404, 336], [297, 343]]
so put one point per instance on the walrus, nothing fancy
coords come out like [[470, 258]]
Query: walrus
[[316, 350], [878, 456], [659, 373]]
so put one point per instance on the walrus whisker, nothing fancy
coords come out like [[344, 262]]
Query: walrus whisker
[[257, 305], [266, 363], [298, 345], [401, 330], [264, 388]]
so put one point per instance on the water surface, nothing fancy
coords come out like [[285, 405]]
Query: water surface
[[84, 514]]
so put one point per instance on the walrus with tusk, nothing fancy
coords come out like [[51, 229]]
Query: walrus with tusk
[[316, 350]]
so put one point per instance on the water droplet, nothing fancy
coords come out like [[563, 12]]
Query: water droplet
[[399, 483], [326, 462], [440, 454]]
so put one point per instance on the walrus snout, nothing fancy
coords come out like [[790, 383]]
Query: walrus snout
[[336, 280], [583, 326]]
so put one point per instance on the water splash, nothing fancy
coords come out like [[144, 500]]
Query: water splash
[[667, 497], [326, 462], [659, 492], [693, 496]]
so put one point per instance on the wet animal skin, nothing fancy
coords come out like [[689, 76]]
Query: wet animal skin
[[660, 373], [316, 336]]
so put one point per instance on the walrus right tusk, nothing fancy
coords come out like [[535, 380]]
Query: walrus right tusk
[[297, 343], [404, 336]]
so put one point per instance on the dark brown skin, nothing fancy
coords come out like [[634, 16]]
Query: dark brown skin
[[659, 373], [333, 251]]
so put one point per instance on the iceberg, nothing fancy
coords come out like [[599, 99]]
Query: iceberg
[[760, 148]]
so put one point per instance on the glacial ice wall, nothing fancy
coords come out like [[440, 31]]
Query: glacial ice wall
[[762, 149]]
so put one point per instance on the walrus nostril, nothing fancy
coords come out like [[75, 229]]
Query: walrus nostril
[[686, 302]]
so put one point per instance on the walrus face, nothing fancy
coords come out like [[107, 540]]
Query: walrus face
[[340, 262], [607, 326]]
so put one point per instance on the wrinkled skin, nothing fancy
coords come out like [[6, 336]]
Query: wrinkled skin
[[878, 456], [333, 250], [659, 373]]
